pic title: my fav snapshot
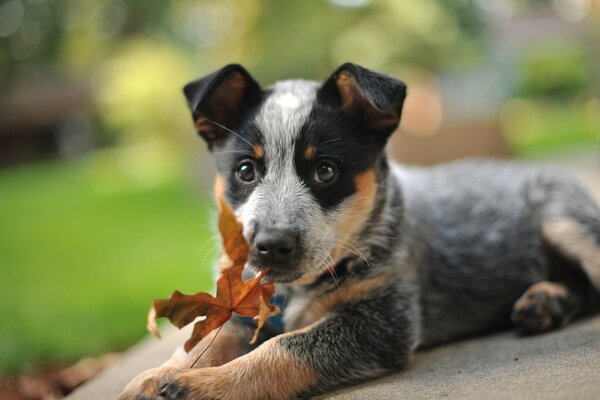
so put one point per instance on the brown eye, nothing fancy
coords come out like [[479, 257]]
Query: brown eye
[[245, 171], [326, 173]]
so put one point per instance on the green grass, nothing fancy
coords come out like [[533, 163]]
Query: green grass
[[538, 130], [83, 251]]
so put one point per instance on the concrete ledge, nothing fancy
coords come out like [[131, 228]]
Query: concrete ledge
[[149, 353], [564, 364]]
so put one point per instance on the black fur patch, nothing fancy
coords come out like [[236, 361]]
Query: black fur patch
[[230, 154], [339, 137]]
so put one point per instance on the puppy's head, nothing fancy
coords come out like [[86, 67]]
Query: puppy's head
[[297, 161]]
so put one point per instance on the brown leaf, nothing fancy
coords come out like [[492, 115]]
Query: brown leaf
[[246, 298], [234, 243]]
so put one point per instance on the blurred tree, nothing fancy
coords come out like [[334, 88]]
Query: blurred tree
[[139, 90], [556, 72], [278, 38], [137, 54]]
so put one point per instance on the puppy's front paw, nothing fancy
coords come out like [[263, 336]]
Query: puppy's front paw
[[200, 384], [173, 391], [147, 385]]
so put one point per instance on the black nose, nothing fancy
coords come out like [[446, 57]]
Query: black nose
[[275, 245]]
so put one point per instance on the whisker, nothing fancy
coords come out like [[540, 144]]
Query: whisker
[[333, 273], [325, 143], [331, 141], [329, 260], [228, 130], [355, 250], [211, 251], [233, 152], [207, 241]]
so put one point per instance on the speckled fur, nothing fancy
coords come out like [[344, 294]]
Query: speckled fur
[[443, 253]]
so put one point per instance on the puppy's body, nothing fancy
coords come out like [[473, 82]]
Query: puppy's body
[[374, 259], [483, 244], [469, 236]]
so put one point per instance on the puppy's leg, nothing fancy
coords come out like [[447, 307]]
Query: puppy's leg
[[579, 241], [230, 343], [570, 221], [356, 341], [545, 306]]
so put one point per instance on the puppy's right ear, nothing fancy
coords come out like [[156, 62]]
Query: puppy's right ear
[[219, 100], [376, 98]]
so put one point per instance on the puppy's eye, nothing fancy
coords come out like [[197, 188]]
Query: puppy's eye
[[326, 173], [245, 171]]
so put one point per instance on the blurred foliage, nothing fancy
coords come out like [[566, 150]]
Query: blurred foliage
[[138, 54], [139, 92], [557, 71], [538, 129], [277, 37]]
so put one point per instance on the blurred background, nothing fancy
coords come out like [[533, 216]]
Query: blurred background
[[105, 190]]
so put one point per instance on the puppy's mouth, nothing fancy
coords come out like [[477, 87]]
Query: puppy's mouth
[[276, 273], [278, 276], [283, 274]]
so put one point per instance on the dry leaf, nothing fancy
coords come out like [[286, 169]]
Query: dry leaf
[[246, 298]]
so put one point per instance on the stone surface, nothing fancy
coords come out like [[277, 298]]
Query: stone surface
[[564, 364], [149, 353], [560, 365]]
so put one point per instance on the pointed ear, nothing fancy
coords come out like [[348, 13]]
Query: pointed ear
[[376, 98], [219, 100]]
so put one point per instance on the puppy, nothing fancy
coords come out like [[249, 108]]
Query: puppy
[[374, 260]]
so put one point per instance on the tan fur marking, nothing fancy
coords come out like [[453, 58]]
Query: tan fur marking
[[566, 236], [346, 85], [356, 211], [550, 288], [270, 372], [310, 152], [351, 291], [229, 344], [147, 384], [353, 99], [259, 151], [205, 127], [219, 188], [306, 279]]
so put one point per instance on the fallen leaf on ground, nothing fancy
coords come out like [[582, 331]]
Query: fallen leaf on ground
[[246, 298]]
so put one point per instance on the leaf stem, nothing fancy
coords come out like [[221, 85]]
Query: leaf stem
[[206, 348]]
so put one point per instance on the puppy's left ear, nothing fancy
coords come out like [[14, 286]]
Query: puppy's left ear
[[219, 100], [375, 98]]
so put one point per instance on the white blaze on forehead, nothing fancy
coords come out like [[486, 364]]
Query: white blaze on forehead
[[282, 115], [289, 101]]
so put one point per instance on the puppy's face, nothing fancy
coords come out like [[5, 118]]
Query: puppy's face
[[297, 161]]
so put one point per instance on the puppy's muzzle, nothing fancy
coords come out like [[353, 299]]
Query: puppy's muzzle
[[275, 247]]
